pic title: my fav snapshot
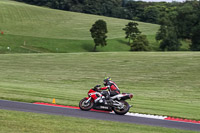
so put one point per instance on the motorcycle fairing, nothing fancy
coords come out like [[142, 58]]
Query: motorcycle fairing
[[102, 107]]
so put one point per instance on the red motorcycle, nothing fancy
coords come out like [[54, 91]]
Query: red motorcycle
[[115, 103]]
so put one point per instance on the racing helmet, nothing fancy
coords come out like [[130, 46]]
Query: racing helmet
[[106, 80]]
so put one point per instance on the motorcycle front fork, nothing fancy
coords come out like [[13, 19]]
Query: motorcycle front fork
[[88, 100]]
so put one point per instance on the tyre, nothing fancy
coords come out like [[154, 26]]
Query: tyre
[[122, 111], [85, 106]]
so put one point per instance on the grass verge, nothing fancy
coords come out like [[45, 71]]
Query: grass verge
[[21, 122]]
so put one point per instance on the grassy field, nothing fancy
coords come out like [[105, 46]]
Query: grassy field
[[28, 20], [34, 29], [162, 83], [20, 122]]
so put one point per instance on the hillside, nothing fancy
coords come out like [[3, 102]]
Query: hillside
[[29, 28]]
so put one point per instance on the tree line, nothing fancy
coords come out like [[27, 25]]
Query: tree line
[[178, 21]]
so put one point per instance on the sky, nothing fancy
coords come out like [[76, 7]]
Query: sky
[[164, 0]]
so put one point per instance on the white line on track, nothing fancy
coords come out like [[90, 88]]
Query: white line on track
[[145, 115]]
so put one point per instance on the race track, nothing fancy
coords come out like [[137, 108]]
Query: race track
[[29, 107]]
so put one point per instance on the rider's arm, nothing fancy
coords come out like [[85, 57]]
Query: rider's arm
[[104, 88]]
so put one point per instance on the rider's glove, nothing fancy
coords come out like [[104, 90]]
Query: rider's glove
[[97, 87]]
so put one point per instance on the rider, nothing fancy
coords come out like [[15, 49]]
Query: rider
[[110, 85]]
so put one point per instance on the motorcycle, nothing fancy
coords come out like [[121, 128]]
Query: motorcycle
[[115, 103]]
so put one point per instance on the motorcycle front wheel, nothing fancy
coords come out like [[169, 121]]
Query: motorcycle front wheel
[[122, 111], [86, 105]]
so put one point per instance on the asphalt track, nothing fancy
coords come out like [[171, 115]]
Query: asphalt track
[[29, 107]]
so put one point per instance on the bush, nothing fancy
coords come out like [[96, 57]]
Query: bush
[[140, 43]]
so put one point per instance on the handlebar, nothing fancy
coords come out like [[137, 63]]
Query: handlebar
[[97, 87]]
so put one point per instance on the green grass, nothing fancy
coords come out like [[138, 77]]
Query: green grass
[[162, 83], [46, 29], [43, 45], [28, 20], [20, 122]]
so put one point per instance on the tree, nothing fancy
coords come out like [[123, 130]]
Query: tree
[[168, 33], [195, 46], [169, 39], [134, 9], [98, 33], [140, 43], [131, 31], [186, 19], [151, 14]]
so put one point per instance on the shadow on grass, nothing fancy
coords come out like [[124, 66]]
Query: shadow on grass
[[123, 42], [88, 47]]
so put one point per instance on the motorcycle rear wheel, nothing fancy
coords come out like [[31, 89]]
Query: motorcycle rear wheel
[[85, 106], [122, 111]]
